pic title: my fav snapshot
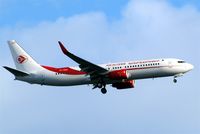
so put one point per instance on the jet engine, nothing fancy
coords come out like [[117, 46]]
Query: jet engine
[[118, 75], [124, 85]]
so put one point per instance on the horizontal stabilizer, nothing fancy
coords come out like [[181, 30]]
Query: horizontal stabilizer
[[16, 72]]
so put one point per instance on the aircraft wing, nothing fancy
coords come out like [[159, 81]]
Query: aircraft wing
[[92, 69]]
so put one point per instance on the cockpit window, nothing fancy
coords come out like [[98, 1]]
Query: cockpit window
[[181, 61]]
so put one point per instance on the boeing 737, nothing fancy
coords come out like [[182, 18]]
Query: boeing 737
[[120, 75]]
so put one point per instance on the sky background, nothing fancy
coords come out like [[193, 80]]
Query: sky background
[[101, 31]]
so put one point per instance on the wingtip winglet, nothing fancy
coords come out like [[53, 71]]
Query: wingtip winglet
[[64, 50]]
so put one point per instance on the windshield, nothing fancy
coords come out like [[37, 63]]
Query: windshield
[[181, 61]]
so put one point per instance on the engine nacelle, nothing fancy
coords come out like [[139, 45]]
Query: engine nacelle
[[124, 85], [118, 75]]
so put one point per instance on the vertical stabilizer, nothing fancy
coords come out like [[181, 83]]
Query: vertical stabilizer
[[21, 59]]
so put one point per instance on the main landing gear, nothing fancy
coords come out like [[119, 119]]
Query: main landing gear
[[103, 91], [102, 87]]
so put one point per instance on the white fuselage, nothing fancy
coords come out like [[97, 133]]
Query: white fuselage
[[121, 75], [135, 69]]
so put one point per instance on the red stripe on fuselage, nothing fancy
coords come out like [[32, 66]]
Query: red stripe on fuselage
[[64, 70]]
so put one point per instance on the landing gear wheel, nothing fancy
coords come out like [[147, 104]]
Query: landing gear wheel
[[175, 80], [99, 85], [103, 91]]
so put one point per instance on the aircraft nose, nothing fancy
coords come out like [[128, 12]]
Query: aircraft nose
[[190, 67]]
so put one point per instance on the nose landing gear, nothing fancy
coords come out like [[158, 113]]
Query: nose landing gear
[[175, 80], [177, 75]]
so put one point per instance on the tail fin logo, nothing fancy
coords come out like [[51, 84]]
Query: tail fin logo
[[21, 59]]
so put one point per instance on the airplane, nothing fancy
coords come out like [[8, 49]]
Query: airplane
[[121, 75]]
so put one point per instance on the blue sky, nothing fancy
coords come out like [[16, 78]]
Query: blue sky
[[34, 11], [101, 31]]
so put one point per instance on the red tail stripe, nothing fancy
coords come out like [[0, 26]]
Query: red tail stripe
[[65, 70]]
